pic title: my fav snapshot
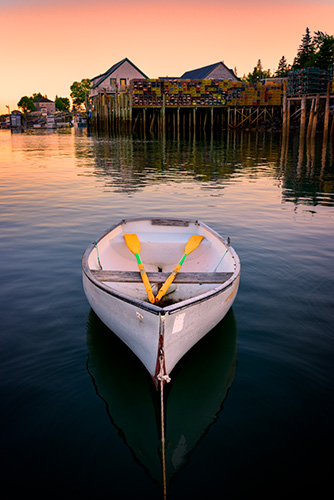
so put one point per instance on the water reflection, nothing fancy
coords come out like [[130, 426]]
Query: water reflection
[[307, 173], [126, 164], [193, 399]]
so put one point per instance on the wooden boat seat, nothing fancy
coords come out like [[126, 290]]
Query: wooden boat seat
[[156, 277]]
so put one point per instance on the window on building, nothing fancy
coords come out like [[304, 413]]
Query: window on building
[[123, 83]]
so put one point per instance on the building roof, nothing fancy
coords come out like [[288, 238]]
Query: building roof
[[200, 73], [43, 99], [100, 78]]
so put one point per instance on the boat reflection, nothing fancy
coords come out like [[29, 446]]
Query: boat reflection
[[193, 399]]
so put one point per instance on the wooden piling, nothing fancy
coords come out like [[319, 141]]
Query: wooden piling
[[315, 116], [302, 130], [163, 110], [326, 117], [302, 120], [194, 121], [310, 121], [144, 120], [284, 110], [331, 134]]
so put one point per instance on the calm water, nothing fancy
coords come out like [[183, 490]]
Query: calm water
[[250, 409]]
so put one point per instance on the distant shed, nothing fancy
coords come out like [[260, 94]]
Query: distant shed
[[217, 71], [44, 105]]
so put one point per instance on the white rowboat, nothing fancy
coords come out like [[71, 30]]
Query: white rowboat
[[202, 292]]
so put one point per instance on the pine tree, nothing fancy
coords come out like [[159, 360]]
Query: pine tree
[[324, 50], [305, 52], [283, 68]]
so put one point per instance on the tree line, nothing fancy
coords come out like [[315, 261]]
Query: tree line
[[79, 92], [315, 51], [28, 103]]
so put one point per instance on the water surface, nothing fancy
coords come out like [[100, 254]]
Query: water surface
[[249, 411]]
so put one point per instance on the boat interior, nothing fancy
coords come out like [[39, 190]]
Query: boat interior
[[206, 268]]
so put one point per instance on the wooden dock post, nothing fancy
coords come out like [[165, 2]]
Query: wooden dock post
[[315, 116], [302, 130], [205, 117], [163, 110], [284, 110], [310, 121], [326, 118], [288, 117], [130, 114], [211, 120], [194, 120], [144, 121], [331, 134], [178, 121], [302, 120]]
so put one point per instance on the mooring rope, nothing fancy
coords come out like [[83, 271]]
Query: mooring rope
[[215, 269], [163, 378], [163, 451], [97, 252]]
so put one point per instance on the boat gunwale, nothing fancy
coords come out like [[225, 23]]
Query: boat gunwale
[[173, 308]]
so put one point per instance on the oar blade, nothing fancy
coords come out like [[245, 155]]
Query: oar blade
[[132, 242], [193, 243]]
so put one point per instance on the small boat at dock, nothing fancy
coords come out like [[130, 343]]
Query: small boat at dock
[[133, 280]]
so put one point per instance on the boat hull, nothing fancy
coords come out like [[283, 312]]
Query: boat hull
[[136, 327], [160, 335]]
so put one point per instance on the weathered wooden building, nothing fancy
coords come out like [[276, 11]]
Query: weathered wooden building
[[217, 71], [115, 79], [45, 106]]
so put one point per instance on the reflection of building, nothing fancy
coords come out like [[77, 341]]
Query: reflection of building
[[45, 106], [117, 78], [217, 71]]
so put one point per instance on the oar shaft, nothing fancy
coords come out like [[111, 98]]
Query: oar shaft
[[145, 280], [169, 280], [146, 283]]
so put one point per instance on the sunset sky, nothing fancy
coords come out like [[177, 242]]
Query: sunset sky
[[46, 45]]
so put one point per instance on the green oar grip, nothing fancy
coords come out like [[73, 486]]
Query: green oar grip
[[138, 259]]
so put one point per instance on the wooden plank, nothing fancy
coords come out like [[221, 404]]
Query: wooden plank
[[170, 222], [156, 277]]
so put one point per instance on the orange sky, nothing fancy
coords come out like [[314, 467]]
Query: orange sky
[[46, 45]]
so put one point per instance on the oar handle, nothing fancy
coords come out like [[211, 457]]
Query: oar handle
[[168, 282], [146, 283]]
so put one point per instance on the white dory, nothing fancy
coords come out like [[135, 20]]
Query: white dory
[[160, 332]]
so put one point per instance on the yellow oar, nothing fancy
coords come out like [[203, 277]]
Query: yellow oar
[[192, 244], [133, 244]]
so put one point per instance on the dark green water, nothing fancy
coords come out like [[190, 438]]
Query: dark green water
[[249, 411]]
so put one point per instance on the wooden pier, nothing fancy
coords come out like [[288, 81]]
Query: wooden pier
[[160, 108], [118, 115], [306, 109]]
